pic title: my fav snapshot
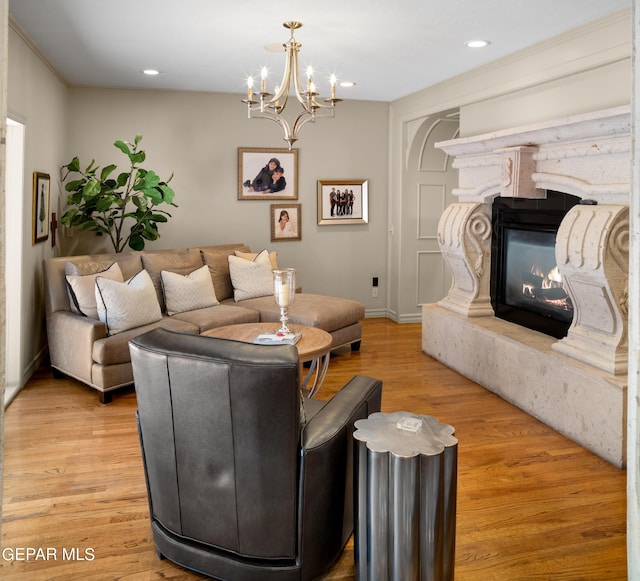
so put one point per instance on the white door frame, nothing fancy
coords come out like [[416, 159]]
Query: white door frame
[[14, 225]]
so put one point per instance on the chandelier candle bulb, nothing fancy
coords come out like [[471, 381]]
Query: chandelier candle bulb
[[250, 89], [263, 75]]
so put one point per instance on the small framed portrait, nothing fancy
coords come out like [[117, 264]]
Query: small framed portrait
[[41, 198], [286, 222], [267, 174], [343, 202]]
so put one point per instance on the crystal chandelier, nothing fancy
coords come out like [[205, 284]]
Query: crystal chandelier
[[265, 105]]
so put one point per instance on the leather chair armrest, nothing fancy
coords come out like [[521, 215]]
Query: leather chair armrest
[[361, 395], [326, 509]]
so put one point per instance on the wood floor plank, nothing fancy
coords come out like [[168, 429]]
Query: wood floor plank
[[531, 504]]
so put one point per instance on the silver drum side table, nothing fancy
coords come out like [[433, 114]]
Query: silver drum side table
[[406, 483]]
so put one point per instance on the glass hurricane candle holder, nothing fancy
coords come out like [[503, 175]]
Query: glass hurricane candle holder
[[284, 290]]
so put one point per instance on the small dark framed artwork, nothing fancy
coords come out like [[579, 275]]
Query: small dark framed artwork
[[41, 199], [286, 222], [343, 202], [267, 174]]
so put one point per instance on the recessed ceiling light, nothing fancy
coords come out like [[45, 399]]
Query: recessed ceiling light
[[346, 84], [151, 72], [477, 43]]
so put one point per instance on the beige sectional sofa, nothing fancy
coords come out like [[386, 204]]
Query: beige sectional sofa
[[96, 352]]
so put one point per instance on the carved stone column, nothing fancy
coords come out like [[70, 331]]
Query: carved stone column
[[592, 252], [464, 236]]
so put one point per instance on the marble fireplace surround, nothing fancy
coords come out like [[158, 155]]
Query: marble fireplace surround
[[576, 385]]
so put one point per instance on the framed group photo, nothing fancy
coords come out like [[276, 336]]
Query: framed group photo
[[343, 202], [41, 199], [267, 174], [286, 222]]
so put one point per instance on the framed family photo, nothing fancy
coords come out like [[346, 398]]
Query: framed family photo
[[286, 222], [41, 198], [343, 202], [267, 174]]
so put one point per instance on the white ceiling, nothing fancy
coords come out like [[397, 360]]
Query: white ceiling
[[390, 48]]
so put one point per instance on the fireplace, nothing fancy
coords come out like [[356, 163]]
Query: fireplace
[[526, 285], [576, 384]]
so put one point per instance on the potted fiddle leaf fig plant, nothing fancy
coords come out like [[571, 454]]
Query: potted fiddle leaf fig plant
[[124, 207]]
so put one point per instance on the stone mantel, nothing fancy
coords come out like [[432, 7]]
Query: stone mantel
[[588, 156], [585, 155]]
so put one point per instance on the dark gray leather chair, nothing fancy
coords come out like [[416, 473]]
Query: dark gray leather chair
[[239, 487]]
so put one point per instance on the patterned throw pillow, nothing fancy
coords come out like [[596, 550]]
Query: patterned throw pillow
[[251, 278], [188, 293], [126, 305], [82, 289]]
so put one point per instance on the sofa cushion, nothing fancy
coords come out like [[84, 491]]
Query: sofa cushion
[[217, 259], [114, 349], [179, 261], [126, 305], [324, 312], [251, 278], [188, 292], [218, 316], [273, 256], [129, 263], [82, 289]]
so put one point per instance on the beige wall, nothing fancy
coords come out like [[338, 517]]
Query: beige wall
[[37, 98], [571, 95]]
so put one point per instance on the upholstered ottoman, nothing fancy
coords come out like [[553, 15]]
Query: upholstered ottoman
[[339, 317]]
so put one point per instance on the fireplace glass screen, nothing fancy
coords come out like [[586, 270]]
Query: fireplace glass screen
[[531, 278], [526, 287]]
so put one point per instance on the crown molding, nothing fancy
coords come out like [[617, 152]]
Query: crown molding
[[13, 25]]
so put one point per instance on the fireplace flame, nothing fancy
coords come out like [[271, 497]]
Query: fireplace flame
[[553, 279], [534, 287]]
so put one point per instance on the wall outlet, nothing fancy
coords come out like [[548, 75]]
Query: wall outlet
[[374, 292]]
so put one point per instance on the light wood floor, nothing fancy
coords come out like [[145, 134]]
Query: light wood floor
[[532, 505]]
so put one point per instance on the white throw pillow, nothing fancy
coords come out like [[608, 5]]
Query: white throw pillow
[[129, 304], [82, 289], [251, 278], [188, 292]]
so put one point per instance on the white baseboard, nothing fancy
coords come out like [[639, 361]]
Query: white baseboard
[[11, 391], [376, 313], [389, 314]]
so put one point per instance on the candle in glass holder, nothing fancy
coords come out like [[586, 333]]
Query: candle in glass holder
[[284, 284], [283, 295]]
